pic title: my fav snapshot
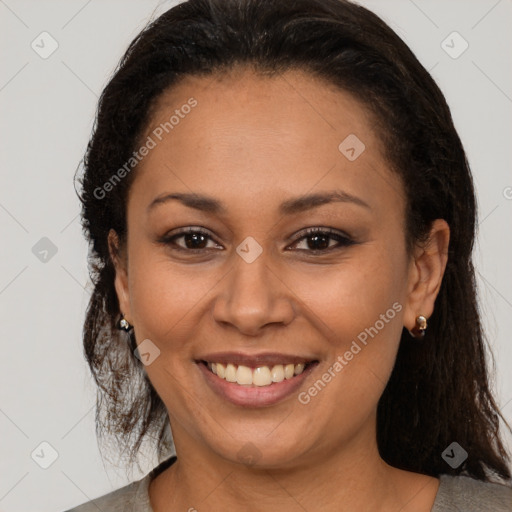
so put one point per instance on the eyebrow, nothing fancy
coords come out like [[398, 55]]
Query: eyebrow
[[289, 207]]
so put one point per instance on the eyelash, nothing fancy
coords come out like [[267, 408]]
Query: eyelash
[[343, 240]]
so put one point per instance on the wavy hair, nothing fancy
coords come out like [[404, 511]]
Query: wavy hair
[[439, 390]]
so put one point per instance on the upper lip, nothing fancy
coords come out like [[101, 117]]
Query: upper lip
[[254, 360]]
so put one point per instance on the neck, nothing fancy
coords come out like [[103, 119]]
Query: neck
[[353, 476]]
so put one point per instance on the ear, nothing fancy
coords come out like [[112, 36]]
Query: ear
[[426, 273], [121, 279]]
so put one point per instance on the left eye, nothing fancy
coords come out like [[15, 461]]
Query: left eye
[[319, 239], [316, 239]]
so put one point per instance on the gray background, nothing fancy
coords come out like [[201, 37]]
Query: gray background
[[47, 108]]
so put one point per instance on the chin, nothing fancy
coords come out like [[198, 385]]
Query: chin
[[262, 452]]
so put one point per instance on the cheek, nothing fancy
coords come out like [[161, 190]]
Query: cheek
[[345, 299], [164, 295], [358, 306], [361, 310]]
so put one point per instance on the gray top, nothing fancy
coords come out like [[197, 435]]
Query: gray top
[[455, 494]]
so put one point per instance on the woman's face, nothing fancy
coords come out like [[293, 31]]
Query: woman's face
[[254, 289]]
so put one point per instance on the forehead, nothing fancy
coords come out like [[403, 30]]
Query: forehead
[[250, 135]]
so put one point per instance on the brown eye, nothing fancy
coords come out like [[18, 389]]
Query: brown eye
[[319, 239], [194, 239]]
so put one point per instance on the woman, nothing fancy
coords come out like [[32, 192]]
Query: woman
[[281, 218]]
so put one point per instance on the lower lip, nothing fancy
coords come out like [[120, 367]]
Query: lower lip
[[255, 396]]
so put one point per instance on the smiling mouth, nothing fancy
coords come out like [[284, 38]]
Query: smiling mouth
[[260, 376]]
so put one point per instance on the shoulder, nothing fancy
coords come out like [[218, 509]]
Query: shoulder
[[133, 497], [128, 498], [468, 494]]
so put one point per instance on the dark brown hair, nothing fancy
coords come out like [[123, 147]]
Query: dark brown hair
[[439, 389]]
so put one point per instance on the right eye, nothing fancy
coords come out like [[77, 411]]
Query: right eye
[[194, 240]]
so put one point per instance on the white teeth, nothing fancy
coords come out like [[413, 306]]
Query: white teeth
[[261, 376], [230, 373], [289, 371], [277, 373], [244, 375], [221, 370]]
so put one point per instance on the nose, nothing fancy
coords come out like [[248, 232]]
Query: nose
[[253, 296]]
